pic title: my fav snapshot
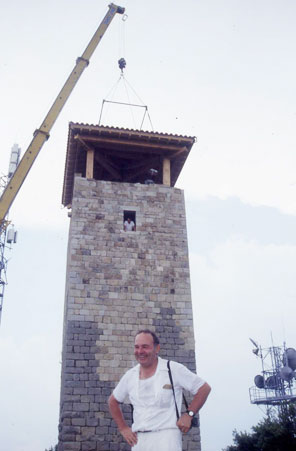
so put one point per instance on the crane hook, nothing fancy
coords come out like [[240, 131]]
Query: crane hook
[[121, 64]]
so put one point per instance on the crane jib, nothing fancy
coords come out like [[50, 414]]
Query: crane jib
[[42, 133]]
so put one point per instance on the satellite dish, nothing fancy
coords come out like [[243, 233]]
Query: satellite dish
[[290, 358], [287, 373], [259, 381], [271, 383]]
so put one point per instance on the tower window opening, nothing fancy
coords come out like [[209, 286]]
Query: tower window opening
[[129, 221]]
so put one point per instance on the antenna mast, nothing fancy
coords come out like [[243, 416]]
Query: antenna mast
[[275, 387], [7, 232]]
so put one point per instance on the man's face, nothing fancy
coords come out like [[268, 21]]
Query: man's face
[[145, 350], [128, 220]]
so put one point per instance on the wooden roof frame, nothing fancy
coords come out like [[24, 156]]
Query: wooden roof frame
[[122, 155]]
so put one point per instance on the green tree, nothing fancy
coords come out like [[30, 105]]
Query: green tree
[[276, 433]]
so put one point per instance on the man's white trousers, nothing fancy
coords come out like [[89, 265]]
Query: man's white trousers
[[165, 440]]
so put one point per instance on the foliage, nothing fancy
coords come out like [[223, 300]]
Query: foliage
[[276, 433], [52, 448]]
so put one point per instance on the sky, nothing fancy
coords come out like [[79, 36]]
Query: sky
[[221, 70]]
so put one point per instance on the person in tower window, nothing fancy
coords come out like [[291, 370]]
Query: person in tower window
[[129, 225]]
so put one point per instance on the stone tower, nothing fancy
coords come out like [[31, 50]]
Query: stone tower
[[120, 281]]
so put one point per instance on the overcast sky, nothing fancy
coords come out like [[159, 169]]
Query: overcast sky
[[221, 70]]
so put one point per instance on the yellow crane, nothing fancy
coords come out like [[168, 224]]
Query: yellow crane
[[42, 133]]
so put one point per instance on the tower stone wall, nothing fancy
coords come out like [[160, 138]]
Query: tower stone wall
[[117, 283]]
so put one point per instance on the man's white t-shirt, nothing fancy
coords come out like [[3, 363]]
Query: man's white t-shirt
[[152, 398], [129, 225]]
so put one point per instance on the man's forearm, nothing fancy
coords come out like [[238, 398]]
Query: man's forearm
[[200, 398], [116, 413], [125, 430]]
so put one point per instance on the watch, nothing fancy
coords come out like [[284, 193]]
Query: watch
[[190, 413]]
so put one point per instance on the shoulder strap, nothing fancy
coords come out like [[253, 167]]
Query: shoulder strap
[[132, 412], [172, 384]]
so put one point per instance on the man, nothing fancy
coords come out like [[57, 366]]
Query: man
[[148, 387], [129, 226]]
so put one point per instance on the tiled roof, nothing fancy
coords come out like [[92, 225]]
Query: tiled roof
[[107, 128]]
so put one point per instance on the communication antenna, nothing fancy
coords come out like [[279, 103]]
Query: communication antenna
[[14, 160], [275, 387], [8, 235]]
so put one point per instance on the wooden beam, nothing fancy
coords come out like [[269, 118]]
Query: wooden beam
[[144, 162], [180, 152], [106, 165], [90, 164], [148, 146], [100, 159], [166, 172], [140, 170], [135, 156]]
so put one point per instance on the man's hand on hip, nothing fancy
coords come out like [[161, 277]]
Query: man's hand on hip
[[129, 436]]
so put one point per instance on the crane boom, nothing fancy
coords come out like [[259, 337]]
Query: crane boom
[[42, 133]]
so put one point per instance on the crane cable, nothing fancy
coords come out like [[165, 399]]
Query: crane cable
[[122, 60], [127, 85], [121, 50]]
